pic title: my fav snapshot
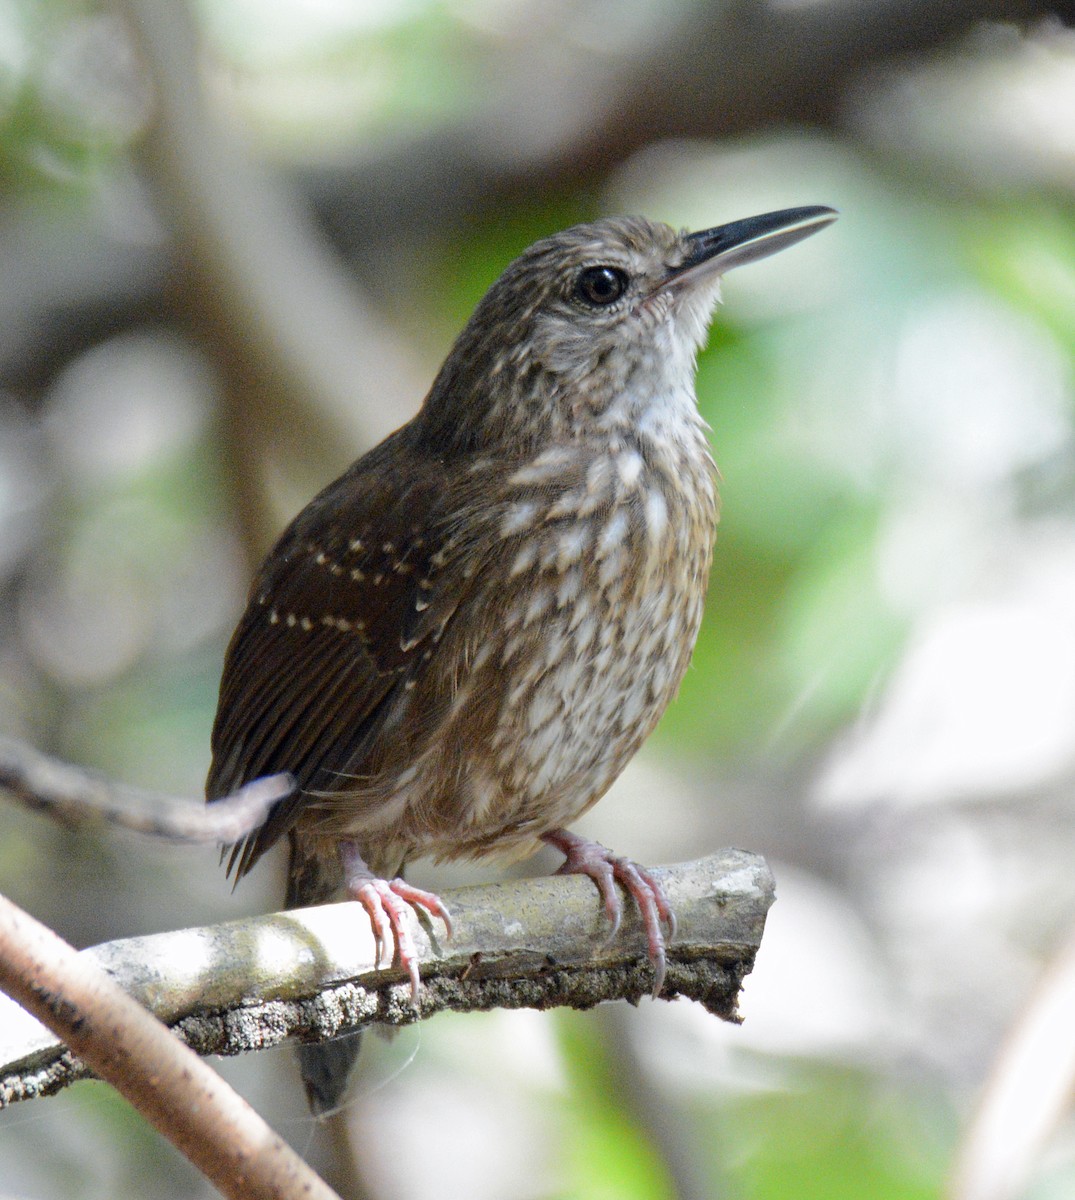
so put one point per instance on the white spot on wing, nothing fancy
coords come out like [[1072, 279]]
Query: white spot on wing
[[548, 465], [519, 517], [524, 560]]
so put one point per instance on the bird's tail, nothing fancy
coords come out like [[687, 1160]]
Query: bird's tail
[[326, 1067], [326, 1070]]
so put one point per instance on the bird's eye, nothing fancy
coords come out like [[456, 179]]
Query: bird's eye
[[601, 286]]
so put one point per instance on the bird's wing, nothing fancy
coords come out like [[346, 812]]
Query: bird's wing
[[337, 618]]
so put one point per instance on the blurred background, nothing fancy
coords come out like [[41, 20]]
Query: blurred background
[[236, 240]]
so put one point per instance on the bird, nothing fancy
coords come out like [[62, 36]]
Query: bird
[[457, 646]]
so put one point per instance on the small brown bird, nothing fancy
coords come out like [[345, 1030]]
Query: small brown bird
[[458, 645]]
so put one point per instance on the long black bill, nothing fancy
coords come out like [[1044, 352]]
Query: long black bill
[[714, 251]]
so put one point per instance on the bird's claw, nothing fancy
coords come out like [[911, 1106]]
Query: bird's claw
[[585, 857], [388, 902]]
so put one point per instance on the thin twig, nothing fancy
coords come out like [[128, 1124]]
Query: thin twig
[[76, 796], [1030, 1088], [169, 1085], [310, 974]]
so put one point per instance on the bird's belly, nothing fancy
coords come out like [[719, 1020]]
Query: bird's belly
[[588, 694], [579, 690]]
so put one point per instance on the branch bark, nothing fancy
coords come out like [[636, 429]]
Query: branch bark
[[311, 974]]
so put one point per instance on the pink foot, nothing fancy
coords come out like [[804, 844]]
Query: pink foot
[[387, 902], [606, 869]]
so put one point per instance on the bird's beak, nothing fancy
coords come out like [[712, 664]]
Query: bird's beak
[[714, 251]]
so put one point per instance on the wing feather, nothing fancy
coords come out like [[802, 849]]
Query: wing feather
[[336, 622]]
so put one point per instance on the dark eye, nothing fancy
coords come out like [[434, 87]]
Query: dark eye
[[601, 286]]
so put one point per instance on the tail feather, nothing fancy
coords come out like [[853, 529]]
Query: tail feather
[[314, 878], [326, 1070]]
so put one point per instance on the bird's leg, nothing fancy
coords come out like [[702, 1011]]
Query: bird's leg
[[387, 902], [584, 857]]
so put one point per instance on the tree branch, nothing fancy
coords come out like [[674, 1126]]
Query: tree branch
[[310, 974], [308, 361], [76, 796]]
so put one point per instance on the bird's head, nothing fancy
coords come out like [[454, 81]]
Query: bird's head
[[588, 321]]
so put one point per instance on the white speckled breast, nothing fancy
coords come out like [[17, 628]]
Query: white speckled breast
[[610, 657], [609, 555]]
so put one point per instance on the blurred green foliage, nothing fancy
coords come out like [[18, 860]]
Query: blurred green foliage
[[52, 137], [608, 1156], [836, 1142]]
